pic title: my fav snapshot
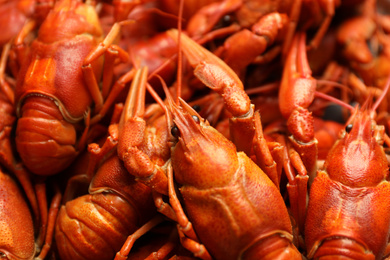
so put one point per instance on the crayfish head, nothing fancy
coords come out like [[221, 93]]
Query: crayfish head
[[358, 158], [201, 157]]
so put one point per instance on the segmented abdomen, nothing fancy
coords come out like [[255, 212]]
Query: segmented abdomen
[[44, 140], [94, 226]]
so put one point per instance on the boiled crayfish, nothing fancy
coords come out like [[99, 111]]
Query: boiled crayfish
[[57, 86], [348, 214]]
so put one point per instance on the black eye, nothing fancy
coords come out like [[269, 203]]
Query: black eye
[[175, 131], [196, 108], [226, 20], [348, 128], [196, 119]]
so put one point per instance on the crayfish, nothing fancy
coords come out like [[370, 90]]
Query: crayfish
[[69, 40], [351, 186], [215, 166]]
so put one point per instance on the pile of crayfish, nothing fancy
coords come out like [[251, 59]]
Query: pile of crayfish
[[219, 129]]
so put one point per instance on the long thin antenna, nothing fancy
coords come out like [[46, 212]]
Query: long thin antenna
[[383, 95], [335, 100], [179, 54]]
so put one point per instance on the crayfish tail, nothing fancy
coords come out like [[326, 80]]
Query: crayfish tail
[[273, 247], [341, 248], [45, 142]]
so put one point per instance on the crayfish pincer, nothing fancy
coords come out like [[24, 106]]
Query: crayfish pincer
[[235, 209]]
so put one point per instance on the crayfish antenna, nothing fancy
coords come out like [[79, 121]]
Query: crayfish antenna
[[366, 104], [381, 97], [334, 100], [179, 54], [169, 100], [335, 84]]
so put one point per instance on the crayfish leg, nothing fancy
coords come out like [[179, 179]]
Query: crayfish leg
[[186, 231], [93, 57], [51, 222], [4, 85], [263, 154], [127, 246]]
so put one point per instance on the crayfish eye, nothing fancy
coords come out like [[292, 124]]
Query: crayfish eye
[[196, 108], [196, 119], [374, 49], [348, 128], [175, 131], [225, 21], [3, 256]]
